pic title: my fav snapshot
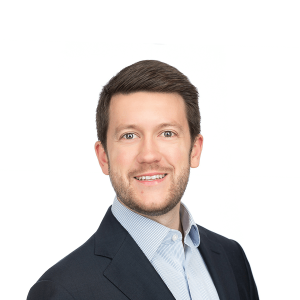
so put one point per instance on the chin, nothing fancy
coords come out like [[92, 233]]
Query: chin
[[152, 201], [153, 206], [148, 207]]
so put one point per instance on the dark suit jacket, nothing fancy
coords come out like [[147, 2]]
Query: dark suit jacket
[[110, 265]]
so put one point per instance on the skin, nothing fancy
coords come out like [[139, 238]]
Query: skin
[[148, 149]]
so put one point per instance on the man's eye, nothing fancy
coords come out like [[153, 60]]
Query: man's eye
[[170, 133], [128, 134]]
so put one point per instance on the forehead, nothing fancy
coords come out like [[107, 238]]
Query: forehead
[[147, 108]]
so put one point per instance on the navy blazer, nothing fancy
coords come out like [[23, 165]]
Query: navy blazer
[[110, 265]]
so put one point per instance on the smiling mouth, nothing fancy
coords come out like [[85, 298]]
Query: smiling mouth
[[151, 178]]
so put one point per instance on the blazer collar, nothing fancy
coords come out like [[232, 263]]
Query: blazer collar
[[130, 270], [219, 267]]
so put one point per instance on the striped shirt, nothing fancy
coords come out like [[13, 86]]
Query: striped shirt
[[181, 267]]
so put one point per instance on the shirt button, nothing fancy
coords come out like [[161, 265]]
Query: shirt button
[[174, 237]]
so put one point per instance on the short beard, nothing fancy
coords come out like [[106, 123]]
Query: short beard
[[127, 195]]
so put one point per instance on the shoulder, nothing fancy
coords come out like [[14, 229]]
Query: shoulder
[[48, 290], [75, 272], [237, 259], [228, 244], [233, 249], [78, 260]]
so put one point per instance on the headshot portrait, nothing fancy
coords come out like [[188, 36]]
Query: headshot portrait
[[149, 150], [148, 245]]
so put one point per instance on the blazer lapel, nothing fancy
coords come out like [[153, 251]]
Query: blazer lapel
[[219, 268], [130, 270]]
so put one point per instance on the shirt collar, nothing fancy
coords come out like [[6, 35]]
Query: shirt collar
[[189, 226], [149, 234]]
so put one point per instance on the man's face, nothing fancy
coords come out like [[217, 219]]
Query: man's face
[[149, 146]]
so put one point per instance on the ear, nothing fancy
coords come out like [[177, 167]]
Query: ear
[[102, 157], [196, 152]]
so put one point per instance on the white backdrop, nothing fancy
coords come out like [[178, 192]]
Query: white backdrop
[[244, 59]]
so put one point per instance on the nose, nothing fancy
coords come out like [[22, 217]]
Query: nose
[[148, 152]]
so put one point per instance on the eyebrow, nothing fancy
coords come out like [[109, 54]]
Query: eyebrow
[[162, 125]]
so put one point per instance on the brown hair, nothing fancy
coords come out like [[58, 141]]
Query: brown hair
[[149, 76]]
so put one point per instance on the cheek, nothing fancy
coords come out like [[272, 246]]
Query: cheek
[[175, 155], [122, 159]]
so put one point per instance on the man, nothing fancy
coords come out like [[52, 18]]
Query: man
[[148, 245]]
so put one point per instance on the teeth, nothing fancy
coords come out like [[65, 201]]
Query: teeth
[[151, 177]]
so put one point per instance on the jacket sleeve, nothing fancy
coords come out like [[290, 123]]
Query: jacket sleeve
[[48, 290], [252, 286]]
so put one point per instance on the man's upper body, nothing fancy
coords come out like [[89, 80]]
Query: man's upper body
[[116, 263], [148, 246]]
